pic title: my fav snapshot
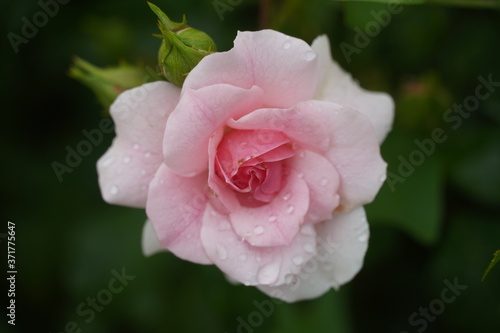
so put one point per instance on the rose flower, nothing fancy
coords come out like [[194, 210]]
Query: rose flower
[[260, 164]]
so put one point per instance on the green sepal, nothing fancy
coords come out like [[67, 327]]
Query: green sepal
[[107, 83]]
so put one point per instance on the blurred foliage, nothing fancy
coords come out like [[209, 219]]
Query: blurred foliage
[[464, 3], [441, 223]]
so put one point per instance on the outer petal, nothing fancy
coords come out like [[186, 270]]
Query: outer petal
[[150, 242], [335, 85], [354, 151], [253, 265], [128, 166], [323, 182], [197, 116], [175, 207], [275, 223], [342, 244], [284, 67]]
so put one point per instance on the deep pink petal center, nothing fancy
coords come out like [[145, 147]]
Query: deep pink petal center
[[250, 163]]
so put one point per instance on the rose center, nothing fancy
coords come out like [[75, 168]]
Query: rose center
[[251, 163]]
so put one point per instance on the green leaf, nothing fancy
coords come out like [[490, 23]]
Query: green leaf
[[411, 201], [494, 261]]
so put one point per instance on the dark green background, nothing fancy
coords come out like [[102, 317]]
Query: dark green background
[[441, 223]]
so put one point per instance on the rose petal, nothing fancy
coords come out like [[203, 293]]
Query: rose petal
[[323, 182], [354, 151], [253, 265], [150, 242], [225, 195], [336, 85], [197, 116], [238, 147], [284, 67], [275, 223], [128, 166], [175, 207], [278, 154], [306, 130], [342, 245]]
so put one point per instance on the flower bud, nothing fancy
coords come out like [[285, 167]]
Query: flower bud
[[182, 47], [107, 83]]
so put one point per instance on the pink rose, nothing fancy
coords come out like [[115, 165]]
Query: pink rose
[[259, 165]]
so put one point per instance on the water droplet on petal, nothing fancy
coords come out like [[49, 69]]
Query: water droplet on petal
[[287, 196], [291, 279], [213, 213], [290, 209], [324, 181], [108, 161], [268, 274], [126, 159], [259, 259], [308, 247], [147, 154], [221, 251], [143, 172], [300, 175], [310, 55], [298, 260], [136, 146], [113, 190], [302, 154], [242, 257], [307, 230], [272, 218], [258, 230], [286, 45], [382, 178]]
